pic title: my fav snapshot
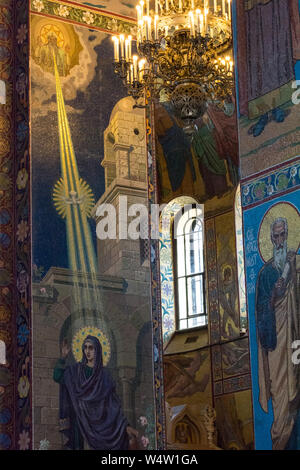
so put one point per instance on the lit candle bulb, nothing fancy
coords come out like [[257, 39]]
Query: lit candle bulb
[[223, 7], [155, 28], [142, 8], [231, 66], [193, 4], [147, 9], [205, 20], [192, 23], [229, 10], [149, 28], [129, 47], [198, 14], [167, 5], [156, 7], [180, 5], [146, 27], [215, 6], [139, 13], [201, 24], [141, 69], [122, 45], [135, 67], [126, 49], [131, 73], [116, 48]]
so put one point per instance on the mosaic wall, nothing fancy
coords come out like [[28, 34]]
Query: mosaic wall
[[222, 278], [268, 118], [271, 231], [269, 136], [71, 69], [201, 164], [234, 421], [188, 378], [15, 321]]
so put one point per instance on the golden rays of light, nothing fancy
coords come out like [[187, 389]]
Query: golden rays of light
[[72, 197]]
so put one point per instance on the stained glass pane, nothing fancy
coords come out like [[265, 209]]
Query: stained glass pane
[[194, 253], [195, 295], [197, 321]]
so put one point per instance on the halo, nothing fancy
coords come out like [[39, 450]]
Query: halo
[[291, 214], [84, 197], [225, 266], [80, 336]]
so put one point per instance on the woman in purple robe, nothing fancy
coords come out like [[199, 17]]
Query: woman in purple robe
[[90, 410]]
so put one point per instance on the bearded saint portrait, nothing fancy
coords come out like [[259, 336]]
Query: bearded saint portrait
[[277, 320]]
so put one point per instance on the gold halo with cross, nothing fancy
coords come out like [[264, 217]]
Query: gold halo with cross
[[80, 336], [291, 214]]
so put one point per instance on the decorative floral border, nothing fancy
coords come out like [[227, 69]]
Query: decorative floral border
[[272, 184], [15, 262], [216, 359], [155, 290], [240, 259], [7, 226], [212, 281], [85, 16], [23, 376]]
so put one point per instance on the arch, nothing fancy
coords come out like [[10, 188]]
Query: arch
[[166, 263]]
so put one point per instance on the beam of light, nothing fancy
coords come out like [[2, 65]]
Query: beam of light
[[73, 200]]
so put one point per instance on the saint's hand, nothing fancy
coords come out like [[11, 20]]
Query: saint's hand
[[65, 349], [279, 287], [132, 433]]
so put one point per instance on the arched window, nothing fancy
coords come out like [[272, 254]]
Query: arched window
[[189, 269], [167, 264]]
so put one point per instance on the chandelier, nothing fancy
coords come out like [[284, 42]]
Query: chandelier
[[184, 51]]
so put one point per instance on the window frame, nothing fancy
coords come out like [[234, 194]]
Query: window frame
[[176, 277]]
